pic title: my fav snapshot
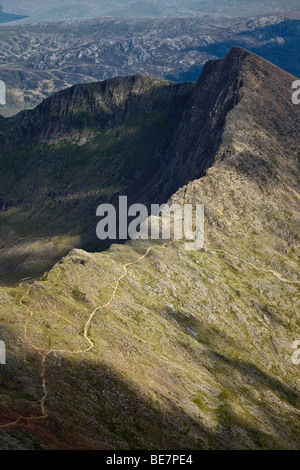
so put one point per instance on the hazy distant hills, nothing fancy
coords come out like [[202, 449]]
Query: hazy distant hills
[[146, 345], [37, 60], [44, 10]]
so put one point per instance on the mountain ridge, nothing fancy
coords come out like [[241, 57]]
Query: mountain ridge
[[155, 346], [90, 124]]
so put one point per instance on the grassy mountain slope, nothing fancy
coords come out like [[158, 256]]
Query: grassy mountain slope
[[155, 346]]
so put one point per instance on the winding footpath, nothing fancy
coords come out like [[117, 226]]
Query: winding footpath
[[44, 353], [275, 273]]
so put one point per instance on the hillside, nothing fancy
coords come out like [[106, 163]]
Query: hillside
[[154, 346]]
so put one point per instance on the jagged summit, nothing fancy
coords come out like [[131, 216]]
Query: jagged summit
[[235, 56], [233, 96], [238, 56]]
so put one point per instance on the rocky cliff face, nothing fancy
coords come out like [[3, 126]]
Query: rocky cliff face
[[241, 104], [102, 106], [81, 147], [153, 345]]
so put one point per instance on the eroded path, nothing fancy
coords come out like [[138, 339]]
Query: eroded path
[[272, 271], [44, 353]]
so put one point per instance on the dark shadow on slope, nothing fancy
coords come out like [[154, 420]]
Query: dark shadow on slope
[[236, 430], [235, 426], [261, 378], [92, 407]]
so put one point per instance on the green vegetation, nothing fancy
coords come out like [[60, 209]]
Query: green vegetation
[[146, 344]]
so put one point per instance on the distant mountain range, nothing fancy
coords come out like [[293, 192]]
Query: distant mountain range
[[43, 10], [37, 60], [147, 345]]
